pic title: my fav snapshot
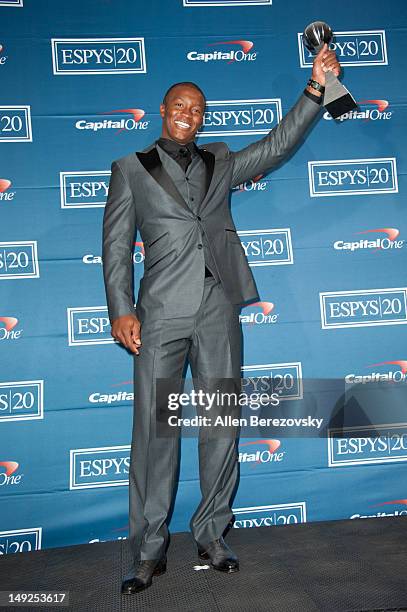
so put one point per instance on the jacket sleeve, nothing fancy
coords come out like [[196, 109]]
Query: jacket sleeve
[[265, 154], [119, 228]]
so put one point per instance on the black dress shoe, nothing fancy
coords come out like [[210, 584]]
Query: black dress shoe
[[143, 575], [220, 555]]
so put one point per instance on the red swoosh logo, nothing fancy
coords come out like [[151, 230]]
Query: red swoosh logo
[[245, 44], [9, 322], [402, 364], [11, 466], [266, 307], [4, 185], [273, 445], [392, 232], [394, 501], [381, 104]]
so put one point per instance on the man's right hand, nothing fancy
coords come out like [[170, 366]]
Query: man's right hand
[[126, 330]]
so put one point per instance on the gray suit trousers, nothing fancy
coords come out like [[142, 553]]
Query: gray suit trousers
[[211, 342]]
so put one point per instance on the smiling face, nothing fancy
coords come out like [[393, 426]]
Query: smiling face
[[182, 114]]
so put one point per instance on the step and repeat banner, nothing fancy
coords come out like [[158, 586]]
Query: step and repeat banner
[[325, 235]]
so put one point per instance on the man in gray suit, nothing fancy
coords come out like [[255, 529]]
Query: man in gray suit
[[196, 278]]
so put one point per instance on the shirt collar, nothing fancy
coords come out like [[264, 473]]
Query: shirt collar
[[172, 148]]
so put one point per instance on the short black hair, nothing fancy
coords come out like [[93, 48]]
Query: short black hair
[[185, 83]]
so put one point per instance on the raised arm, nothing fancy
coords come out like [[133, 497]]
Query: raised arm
[[267, 153]]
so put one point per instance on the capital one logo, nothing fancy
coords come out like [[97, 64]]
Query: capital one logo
[[127, 124], [76, 56], [21, 400], [352, 177], [372, 110], [269, 247], [365, 445], [92, 468], [84, 189], [8, 329], [282, 378], [15, 124], [20, 540], [261, 314], [254, 184], [394, 507], [240, 117], [5, 194], [88, 326], [19, 260], [394, 372], [227, 2], [118, 397], [230, 51], [353, 48], [269, 516], [9, 477], [373, 243], [3, 58], [367, 307], [258, 452], [138, 255]]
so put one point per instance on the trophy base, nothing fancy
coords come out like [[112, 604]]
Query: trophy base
[[340, 106]]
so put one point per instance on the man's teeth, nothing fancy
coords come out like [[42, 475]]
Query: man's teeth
[[182, 125]]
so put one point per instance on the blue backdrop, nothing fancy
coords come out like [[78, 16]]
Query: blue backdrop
[[81, 83]]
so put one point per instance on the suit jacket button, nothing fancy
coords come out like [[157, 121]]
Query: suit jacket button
[[198, 217], [199, 246]]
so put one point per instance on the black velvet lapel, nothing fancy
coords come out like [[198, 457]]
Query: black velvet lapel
[[209, 160], [152, 163]]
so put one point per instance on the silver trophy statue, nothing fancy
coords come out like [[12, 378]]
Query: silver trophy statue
[[337, 99]]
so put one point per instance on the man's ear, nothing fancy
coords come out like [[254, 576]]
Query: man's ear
[[162, 110]]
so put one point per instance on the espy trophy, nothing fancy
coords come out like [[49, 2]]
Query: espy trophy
[[337, 99]]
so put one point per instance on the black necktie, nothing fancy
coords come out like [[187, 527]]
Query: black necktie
[[184, 157]]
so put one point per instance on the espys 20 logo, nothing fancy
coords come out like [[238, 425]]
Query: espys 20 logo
[[268, 516], [20, 540], [11, 3], [354, 48], [77, 56], [239, 117], [15, 124], [352, 177], [357, 445], [19, 260], [21, 400], [84, 189], [91, 468], [362, 308]]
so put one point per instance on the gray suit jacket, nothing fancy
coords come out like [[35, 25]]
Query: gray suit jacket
[[142, 195]]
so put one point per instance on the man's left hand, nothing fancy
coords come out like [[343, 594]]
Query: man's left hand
[[325, 60]]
